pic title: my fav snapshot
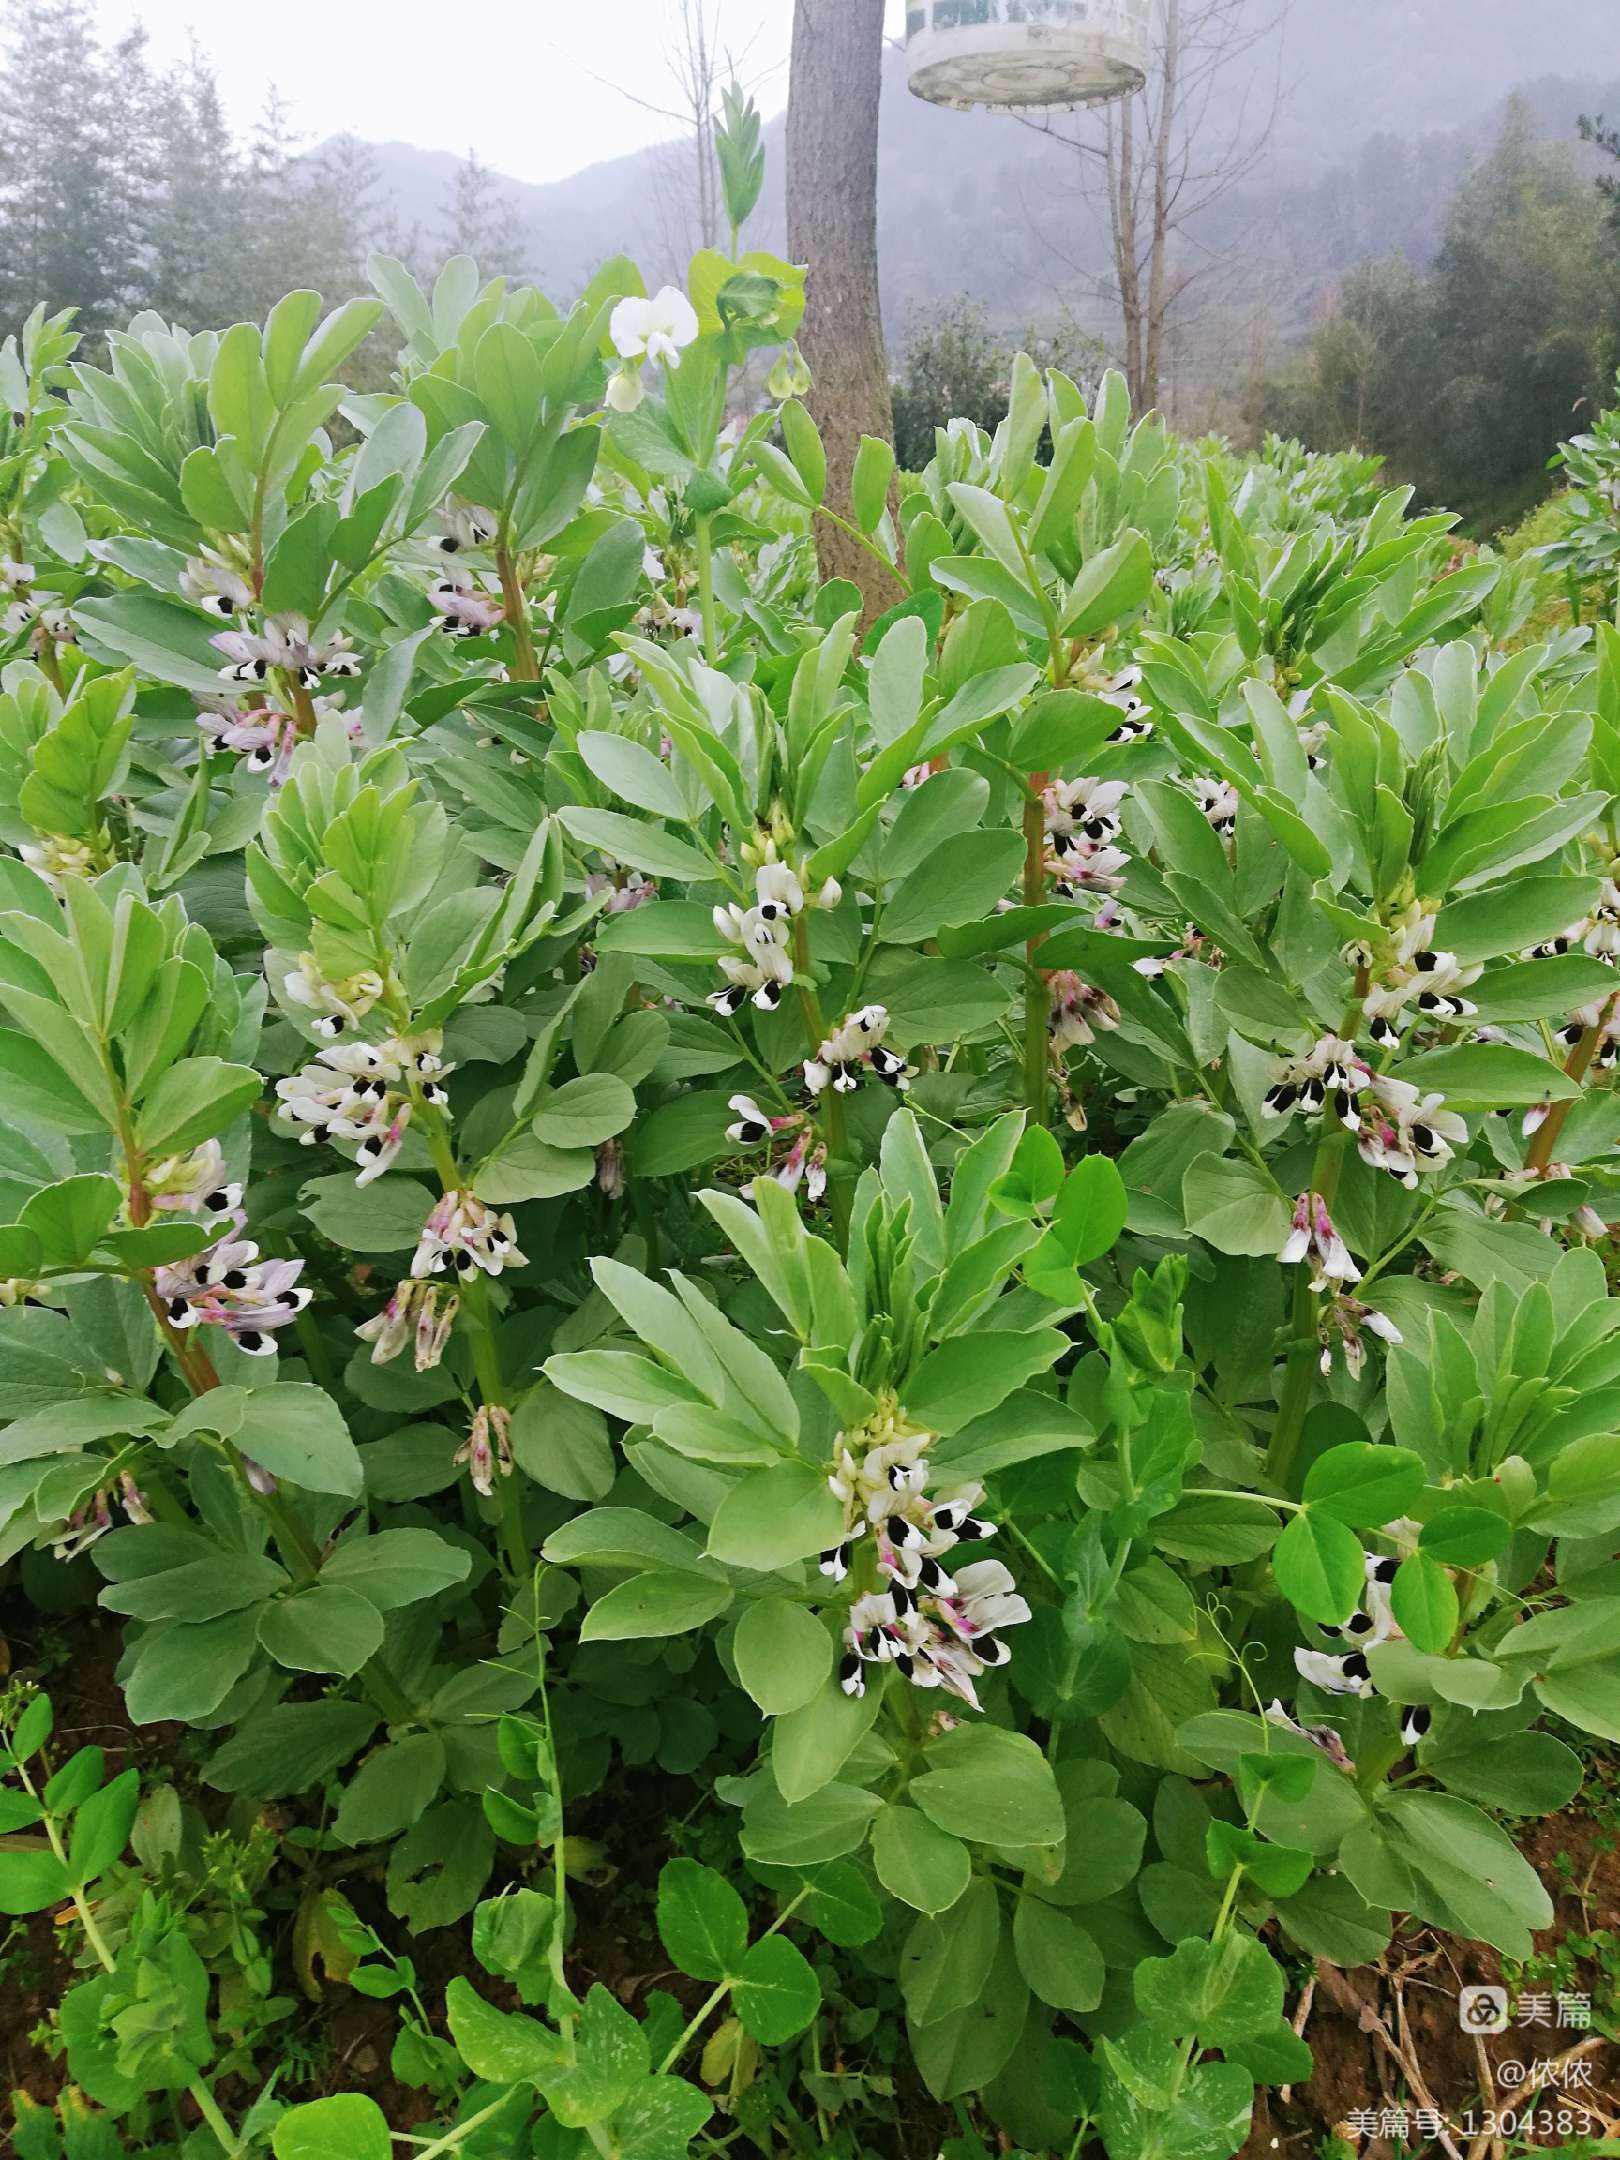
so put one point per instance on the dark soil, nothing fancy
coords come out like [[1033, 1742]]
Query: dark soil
[[1361, 2024]]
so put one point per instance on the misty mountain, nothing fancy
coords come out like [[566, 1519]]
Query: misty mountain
[[1378, 110]]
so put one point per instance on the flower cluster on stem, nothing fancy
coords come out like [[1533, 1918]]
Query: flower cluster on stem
[[938, 1623]]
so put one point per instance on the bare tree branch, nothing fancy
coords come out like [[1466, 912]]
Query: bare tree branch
[[1155, 167]]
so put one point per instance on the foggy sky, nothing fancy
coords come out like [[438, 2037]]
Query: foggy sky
[[511, 78]]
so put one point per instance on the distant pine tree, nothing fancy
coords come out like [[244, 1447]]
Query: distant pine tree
[[74, 175], [481, 219], [123, 188]]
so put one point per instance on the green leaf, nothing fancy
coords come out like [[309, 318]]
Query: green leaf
[[783, 1653], [297, 1432], [1057, 1957], [991, 1786], [960, 882], [968, 1375], [68, 1219], [945, 1960], [611, 2060], [526, 1167], [869, 482], [1465, 1536], [659, 2120], [20, 1254], [637, 777], [348, 2126], [286, 332], [1106, 1838], [1425, 1603], [396, 1567], [392, 1788], [562, 1444], [622, 1538], [1091, 1210], [917, 1862], [680, 1135], [966, 2050], [499, 2045], [290, 1747], [1089, 1217], [1114, 583], [384, 1217], [338, 336], [664, 930], [159, 1244], [810, 1745], [1234, 1206], [1219, 1991], [506, 374], [31, 1880], [777, 1993], [322, 1630], [1486, 1885], [1319, 1567], [1062, 729], [654, 1604], [1364, 1484], [185, 1672], [1509, 918], [101, 1827], [1521, 1773], [1488, 1076], [774, 1517], [194, 1101], [1540, 989], [799, 1833], [642, 846], [843, 1905], [702, 1922], [583, 1113], [809, 460]]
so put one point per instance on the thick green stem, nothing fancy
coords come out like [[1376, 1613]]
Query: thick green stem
[[853, 532], [302, 703], [705, 563], [1295, 1398], [1037, 999], [646, 1222], [1579, 1065], [524, 666], [208, 2108]]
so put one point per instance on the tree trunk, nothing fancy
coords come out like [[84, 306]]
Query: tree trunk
[[832, 141], [1158, 282], [1122, 204]]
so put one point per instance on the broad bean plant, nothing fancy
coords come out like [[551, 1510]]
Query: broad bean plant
[[931, 1288]]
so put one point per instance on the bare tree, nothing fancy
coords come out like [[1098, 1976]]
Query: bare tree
[[832, 141], [690, 199], [1160, 161], [688, 180]]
